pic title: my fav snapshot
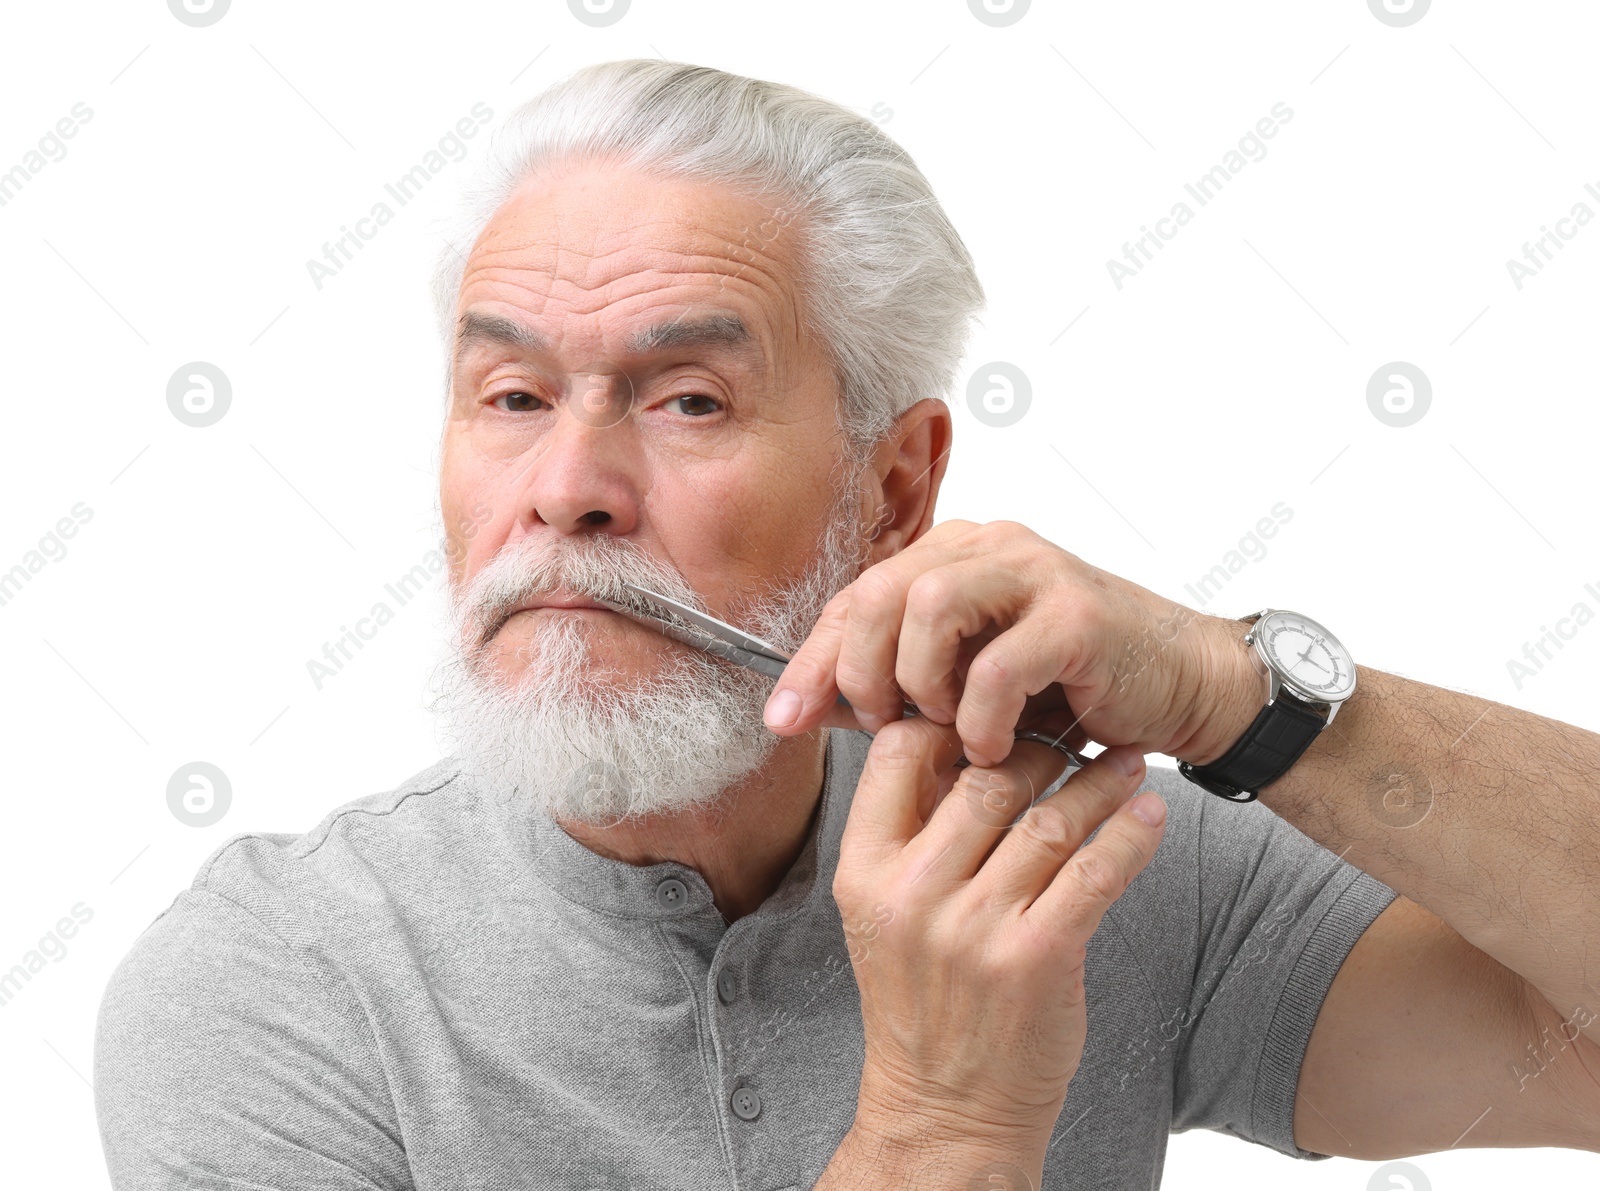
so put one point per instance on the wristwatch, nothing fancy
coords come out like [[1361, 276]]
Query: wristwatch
[[1309, 675]]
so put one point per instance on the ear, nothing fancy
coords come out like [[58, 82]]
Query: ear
[[908, 467]]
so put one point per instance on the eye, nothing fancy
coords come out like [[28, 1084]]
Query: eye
[[696, 405], [517, 402]]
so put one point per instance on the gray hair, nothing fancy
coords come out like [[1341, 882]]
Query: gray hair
[[889, 288]]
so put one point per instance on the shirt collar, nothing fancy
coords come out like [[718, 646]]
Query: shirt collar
[[635, 891]]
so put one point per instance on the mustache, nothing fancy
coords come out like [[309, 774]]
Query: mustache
[[596, 568]]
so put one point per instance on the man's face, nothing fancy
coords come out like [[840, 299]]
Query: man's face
[[631, 363]]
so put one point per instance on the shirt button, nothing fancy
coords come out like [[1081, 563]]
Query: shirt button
[[727, 987], [746, 1103], [671, 893]]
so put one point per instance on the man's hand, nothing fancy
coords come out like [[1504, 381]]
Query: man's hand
[[990, 626], [968, 937]]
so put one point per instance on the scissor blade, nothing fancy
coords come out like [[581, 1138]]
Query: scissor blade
[[717, 628], [692, 636]]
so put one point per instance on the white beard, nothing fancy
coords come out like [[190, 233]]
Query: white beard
[[588, 750]]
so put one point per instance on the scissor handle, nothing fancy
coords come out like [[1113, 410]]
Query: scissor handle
[[1074, 760]]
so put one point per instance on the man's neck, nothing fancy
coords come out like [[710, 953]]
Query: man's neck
[[743, 846]]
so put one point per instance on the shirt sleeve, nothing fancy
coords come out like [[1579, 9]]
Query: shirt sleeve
[[1278, 914], [225, 1060]]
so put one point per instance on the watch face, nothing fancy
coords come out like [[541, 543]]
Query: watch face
[[1309, 658]]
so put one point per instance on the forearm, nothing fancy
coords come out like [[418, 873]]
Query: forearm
[[1487, 815]]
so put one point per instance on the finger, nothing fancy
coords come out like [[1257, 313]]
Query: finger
[[841, 715], [866, 665], [803, 697], [1059, 722], [1039, 650], [945, 607], [806, 693], [1033, 852], [1100, 871], [865, 669], [898, 782], [980, 807]]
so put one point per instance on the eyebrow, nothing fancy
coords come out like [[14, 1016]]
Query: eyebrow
[[727, 330], [476, 327]]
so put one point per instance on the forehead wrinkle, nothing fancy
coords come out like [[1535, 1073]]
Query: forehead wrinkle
[[696, 246], [601, 264]]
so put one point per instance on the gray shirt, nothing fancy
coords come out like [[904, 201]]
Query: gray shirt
[[437, 988]]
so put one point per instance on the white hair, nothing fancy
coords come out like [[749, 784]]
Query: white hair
[[566, 737], [889, 288]]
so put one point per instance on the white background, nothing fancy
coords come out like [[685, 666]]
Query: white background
[[1229, 375]]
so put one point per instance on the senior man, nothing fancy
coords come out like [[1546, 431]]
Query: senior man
[[645, 928]]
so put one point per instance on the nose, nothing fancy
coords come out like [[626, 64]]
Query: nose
[[585, 470]]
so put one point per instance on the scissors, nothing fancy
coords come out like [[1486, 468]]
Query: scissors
[[689, 627]]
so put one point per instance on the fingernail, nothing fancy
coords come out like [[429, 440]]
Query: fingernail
[[783, 708], [1125, 762], [1148, 808], [872, 723]]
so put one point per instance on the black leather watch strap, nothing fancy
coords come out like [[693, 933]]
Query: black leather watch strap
[[1268, 749]]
